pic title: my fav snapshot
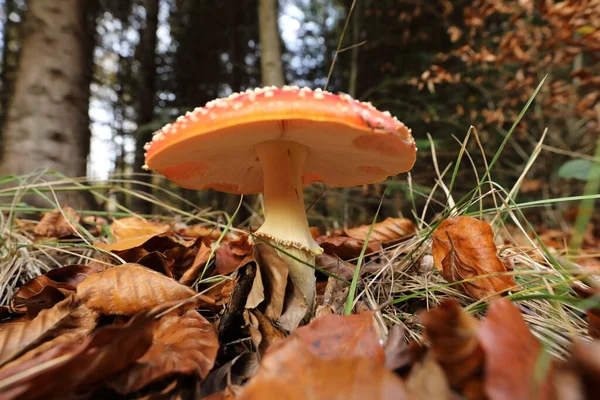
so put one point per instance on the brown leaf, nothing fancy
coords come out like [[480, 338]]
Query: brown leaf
[[512, 355], [262, 331], [464, 248], [131, 232], [334, 336], [292, 371], [199, 231], [190, 276], [274, 274], [17, 336], [69, 368], [72, 328], [455, 345], [131, 288], [231, 253], [183, 344], [389, 230], [427, 381], [345, 247], [54, 223], [39, 294], [585, 362]]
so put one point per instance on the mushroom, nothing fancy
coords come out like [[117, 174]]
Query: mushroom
[[276, 141]]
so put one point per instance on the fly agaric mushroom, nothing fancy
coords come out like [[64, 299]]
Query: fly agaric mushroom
[[276, 141]]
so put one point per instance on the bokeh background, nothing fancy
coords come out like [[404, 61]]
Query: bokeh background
[[84, 83]]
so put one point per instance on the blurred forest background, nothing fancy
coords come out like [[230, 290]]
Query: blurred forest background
[[84, 83]]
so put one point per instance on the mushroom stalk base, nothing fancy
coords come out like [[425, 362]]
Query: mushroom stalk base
[[285, 223]]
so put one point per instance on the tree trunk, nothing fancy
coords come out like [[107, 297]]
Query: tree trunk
[[270, 44], [10, 58], [48, 123], [357, 18], [147, 97]]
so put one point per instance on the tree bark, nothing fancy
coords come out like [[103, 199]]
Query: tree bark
[[147, 97], [48, 124], [10, 58], [270, 44], [357, 18]]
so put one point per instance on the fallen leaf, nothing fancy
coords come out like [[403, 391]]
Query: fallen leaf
[[15, 337], [72, 328], [334, 336], [183, 344], [514, 367], [346, 248], [107, 351], [54, 224], [274, 274], [389, 230], [427, 381], [234, 373], [585, 361], [464, 248], [262, 331], [231, 253], [158, 262], [294, 310], [190, 276], [455, 345], [131, 288], [292, 371], [131, 232], [39, 294], [199, 231]]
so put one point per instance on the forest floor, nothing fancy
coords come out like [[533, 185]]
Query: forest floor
[[185, 305]]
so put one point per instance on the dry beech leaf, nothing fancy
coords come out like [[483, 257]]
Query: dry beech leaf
[[198, 231], [427, 381], [131, 232], [73, 328], [262, 330], [131, 288], [274, 274], [15, 337], [231, 253], [193, 272], [585, 361], [464, 248], [389, 230], [592, 313], [455, 345], [39, 294], [334, 336], [183, 344], [234, 373], [292, 371], [345, 247], [512, 355], [294, 310], [79, 365], [54, 223]]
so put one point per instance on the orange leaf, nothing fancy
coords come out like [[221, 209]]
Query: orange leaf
[[131, 288], [68, 368], [131, 232], [334, 336], [346, 247], [391, 229], [292, 371], [464, 248], [512, 355], [54, 223], [454, 343], [16, 337], [183, 344]]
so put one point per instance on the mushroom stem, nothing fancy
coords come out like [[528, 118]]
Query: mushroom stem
[[285, 216]]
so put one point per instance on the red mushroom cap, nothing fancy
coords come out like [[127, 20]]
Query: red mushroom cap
[[349, 142]]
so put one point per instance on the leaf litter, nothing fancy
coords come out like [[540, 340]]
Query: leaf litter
[[190, 315]]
